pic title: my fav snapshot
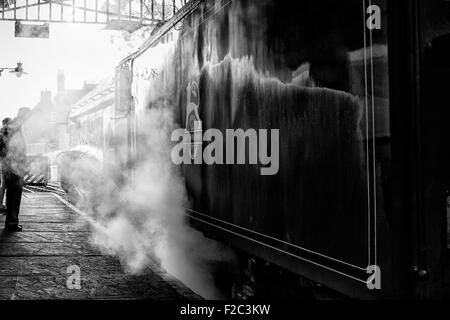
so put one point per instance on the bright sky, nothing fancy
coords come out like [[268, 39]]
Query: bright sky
[[83, 52]]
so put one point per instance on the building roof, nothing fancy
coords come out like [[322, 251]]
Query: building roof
[[100, 97], [63, 101]]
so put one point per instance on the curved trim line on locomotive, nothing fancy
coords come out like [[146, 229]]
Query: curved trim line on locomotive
[[275, 239], [282, 251]]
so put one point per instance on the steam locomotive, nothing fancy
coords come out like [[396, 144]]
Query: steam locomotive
[[357, 91]]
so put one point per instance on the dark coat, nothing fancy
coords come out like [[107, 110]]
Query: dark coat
[[13, 150]]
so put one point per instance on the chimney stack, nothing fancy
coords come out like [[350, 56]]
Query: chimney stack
[[46, 96], [61, 81]]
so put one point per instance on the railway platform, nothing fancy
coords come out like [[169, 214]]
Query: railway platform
[[54, 246]]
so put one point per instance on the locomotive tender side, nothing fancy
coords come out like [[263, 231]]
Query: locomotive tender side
[[327, 213]]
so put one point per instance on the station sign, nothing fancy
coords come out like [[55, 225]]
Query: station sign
[[30, 30]]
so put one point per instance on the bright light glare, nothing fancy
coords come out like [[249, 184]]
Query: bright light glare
[[83, 52]]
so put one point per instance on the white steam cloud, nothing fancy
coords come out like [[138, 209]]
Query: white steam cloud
[[144, 219]]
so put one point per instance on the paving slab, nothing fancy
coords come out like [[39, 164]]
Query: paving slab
[[36, 263]]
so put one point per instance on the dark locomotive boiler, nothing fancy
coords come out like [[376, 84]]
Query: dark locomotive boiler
[[354, 196]]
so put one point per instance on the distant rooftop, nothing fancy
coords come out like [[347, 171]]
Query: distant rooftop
[[100, 97]]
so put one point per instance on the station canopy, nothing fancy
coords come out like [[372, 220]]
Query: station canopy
[[114, 14]]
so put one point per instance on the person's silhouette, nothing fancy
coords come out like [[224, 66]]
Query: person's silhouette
[[14, 163], [2, 180]]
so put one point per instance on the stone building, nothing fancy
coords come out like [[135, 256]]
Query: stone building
[[47, 129]]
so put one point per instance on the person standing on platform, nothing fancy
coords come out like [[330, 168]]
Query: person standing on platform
[[2, 180], [14, 160]]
